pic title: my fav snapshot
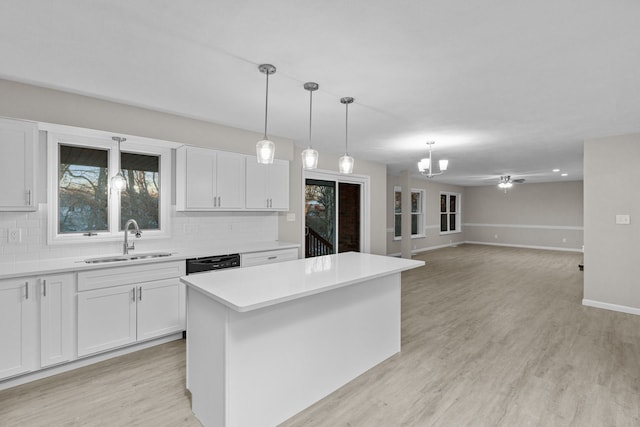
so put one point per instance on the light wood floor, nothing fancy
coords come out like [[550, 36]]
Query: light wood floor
[[490, 337]]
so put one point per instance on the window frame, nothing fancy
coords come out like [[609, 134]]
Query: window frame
[[421, 215], [55, 139], [448, 212]]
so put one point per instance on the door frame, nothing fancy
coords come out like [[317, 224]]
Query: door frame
[[365, 202]]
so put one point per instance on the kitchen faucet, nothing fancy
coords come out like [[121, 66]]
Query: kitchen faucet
[[126, 238]]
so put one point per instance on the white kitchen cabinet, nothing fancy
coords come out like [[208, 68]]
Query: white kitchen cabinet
[[209, 179], [125, 305], [18, 327], [267, 185], [106, 319], [161, 308], [56, 294], [268, 257], [18, 147]]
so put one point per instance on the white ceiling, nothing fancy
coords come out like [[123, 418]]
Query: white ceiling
[[501, 86]]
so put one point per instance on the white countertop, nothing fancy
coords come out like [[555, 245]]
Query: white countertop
[[246, 289], [62, 265]]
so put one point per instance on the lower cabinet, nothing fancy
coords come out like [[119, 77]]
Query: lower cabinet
[[56, 294], [115, 316], [36, 315], [18, 327]]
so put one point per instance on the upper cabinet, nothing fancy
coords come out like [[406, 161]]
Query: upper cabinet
[[267, 185], [209, 180], [18, 141]]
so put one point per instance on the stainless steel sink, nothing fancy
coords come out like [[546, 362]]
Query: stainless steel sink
[[130, 257]]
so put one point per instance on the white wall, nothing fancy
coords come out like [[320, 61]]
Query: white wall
[[377, 172], [547, 215], [611, 256], [432, 238], [38, 104]]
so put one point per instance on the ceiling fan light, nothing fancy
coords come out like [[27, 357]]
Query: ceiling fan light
[[265, 151], [443, 164], [346, 164], [309, 158]]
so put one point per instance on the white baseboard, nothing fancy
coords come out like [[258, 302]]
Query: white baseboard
[[430, 248], [612, 307], [89, 360], [547, 248]]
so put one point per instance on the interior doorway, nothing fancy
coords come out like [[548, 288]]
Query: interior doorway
[[334, 214]]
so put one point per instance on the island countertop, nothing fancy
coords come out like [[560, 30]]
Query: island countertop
[[247, 289]]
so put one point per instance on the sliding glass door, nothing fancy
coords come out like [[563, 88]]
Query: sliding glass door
[[333, 216]]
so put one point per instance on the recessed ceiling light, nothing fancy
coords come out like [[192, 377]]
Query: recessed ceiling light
[[556, 170], [565, 174]]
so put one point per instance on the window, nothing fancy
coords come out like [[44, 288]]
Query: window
[[140, 197], [82, 203], [417, 213], [449, 213]]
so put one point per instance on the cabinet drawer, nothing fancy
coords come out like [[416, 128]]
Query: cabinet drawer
[[115, 276], [268, 257]]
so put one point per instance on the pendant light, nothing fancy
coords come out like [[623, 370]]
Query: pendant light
[[346, 162], [310, 156], [265, 149], [118, 182]]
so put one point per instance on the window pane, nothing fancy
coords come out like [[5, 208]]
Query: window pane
[[398, 225], [414, 224], [452, 222], [452, 203], [443, 222], [398, 203], [415, 202], [140, 198], [82, 190], [443, 203]]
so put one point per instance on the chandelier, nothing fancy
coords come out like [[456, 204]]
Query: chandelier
[[425, 166]]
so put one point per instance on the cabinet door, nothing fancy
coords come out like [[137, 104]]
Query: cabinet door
[[230, 186], [18, 141], [161, 308], [278, 185], [18, 327], [256, 184], [106, 319], [200, 185], [56, 320]]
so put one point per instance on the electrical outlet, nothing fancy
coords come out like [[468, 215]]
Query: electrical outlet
[[15, 235]]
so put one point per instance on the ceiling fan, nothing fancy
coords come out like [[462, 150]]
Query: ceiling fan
[[506, 182]]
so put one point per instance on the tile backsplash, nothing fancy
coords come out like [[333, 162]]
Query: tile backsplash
[[188, 230]]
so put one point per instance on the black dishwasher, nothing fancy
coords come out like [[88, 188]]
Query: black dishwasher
[[210, 263]]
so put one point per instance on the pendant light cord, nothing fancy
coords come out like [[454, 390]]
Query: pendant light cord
[[310, 110], [346, 131], [266, 105]]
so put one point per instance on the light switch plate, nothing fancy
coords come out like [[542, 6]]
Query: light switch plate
[[623, 219]]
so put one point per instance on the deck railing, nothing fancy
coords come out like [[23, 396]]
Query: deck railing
[[316, 245]]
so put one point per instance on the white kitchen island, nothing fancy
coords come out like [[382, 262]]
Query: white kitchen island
[[265, 342]]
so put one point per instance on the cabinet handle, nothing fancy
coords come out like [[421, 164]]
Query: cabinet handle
[[44, 288], [26, 290], [140, 293], [219, 202], [28, 197], [272, 257], [134, 294]]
